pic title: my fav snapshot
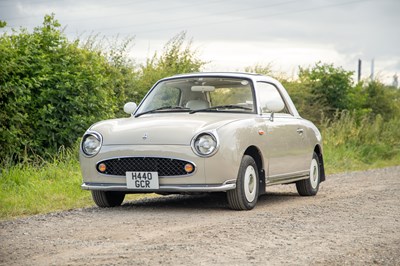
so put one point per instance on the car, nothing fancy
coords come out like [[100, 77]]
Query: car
[[235, 133]]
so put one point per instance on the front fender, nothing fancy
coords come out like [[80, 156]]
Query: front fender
[[235, 138]]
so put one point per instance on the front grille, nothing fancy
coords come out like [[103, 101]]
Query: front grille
[[164, 166]]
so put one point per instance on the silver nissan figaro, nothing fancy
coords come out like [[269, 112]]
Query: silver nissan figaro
[[204, 132]]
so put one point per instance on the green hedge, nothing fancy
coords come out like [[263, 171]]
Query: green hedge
[[52, 89]]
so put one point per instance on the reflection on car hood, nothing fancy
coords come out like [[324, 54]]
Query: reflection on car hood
[[160, 129]]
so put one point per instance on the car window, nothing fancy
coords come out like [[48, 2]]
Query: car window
[[267, 92], [232, 95], [167, 96], [216, 94]]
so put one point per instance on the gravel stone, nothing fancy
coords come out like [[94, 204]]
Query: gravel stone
[[354, 220]]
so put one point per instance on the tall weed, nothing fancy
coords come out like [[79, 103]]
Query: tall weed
[[40, 186], [354, 142]]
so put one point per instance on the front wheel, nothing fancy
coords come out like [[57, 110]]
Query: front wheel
[[310, 186], [245, 195], [105, 199]]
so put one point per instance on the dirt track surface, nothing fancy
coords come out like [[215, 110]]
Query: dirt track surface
[[354, 219]]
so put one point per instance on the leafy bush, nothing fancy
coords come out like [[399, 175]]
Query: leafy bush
[[51, 90], [178, 57], [324, 91], [327, 87], [382, 100]]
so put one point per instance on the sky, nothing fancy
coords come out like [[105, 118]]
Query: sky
[[232, 35]]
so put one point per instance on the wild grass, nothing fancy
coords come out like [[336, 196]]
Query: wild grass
[[350, 143], [358, 143], [44, 186], [39, 187]]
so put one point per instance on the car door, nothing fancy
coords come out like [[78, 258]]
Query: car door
[[286, 142]]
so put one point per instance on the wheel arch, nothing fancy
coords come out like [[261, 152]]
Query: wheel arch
[[318, 151], [256, 154]]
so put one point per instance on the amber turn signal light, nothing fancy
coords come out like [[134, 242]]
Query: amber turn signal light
[[189, 168], [102, 167]]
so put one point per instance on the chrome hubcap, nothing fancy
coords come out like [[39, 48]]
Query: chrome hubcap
[[314, 174], [250, 183]]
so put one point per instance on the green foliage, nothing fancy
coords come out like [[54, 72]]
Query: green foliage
[[121, 72], [354, 142], [43, 186], [328, 87], [178, 57], [382, 100], [304, 101], [323, 91], [51, 90], [27, 189], [357, 103]]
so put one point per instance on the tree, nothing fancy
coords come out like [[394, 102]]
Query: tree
[[382, 100], [329, 87]]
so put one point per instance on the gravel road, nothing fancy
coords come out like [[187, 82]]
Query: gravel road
[[354, 219]]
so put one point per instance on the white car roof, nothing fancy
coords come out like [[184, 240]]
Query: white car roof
[[253, 76]]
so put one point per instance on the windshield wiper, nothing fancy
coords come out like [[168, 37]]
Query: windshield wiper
[[174, 108], [228, 106]]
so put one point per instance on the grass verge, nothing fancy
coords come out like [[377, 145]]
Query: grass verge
[[360, 143], [28, 189]]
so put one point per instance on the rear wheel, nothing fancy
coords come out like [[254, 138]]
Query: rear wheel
[[310, 186], [107, 198], [245, 195]]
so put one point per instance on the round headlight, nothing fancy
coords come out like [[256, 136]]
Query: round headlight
[[91, 144], [205, 144]]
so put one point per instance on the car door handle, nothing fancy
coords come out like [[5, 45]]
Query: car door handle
[[300, 131]]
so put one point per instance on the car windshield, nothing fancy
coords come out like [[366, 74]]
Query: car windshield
[[200, 94]]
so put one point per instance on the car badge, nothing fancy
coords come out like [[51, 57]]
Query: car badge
[[144, 136]]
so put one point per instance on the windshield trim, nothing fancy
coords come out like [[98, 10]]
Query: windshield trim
[[206, 75], [166, 110]]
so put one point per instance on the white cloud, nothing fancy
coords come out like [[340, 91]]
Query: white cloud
[[236, 33]]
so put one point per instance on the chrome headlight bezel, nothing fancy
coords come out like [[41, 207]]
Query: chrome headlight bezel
[[201, 144], [95, 140]]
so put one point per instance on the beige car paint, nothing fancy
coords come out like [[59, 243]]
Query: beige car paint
[[286, 152]]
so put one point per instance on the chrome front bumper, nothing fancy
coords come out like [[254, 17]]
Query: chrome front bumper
[[228, 185]]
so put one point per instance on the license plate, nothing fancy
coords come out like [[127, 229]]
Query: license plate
[[142, 180]]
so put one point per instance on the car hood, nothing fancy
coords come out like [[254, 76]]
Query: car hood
[[160, 129]]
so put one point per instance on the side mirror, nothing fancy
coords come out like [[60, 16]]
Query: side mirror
[[275, 105], [130, 107]]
